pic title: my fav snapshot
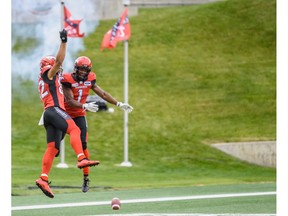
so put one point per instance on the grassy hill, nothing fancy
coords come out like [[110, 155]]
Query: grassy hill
[[197, 75]]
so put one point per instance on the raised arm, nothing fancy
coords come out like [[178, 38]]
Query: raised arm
[[60, 55]]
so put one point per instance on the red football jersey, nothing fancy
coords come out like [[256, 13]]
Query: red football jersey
[[80, 91], [51, 92]]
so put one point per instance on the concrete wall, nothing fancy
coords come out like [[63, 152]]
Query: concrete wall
[[98, 10], [161, 3], [102, 9], [111, 9], [260, 153]]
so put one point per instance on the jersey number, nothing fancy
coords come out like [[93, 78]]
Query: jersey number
[[41, 89], [80, 93], [43, 92]]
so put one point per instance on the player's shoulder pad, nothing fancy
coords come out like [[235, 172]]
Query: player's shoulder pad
[[91, 76], [45, 69], [66, 77]]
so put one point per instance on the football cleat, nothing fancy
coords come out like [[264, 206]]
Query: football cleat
[[85, 163], [85, 186], [44, 186]]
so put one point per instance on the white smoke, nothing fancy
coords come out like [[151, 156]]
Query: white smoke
[[41, 22]]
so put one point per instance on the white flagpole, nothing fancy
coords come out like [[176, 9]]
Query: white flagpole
[[62, 14], [126, 162], [62, 163]]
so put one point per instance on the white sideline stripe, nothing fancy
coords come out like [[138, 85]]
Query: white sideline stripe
[[185, 214], [161, 199]]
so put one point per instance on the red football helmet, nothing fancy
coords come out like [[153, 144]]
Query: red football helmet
[[47, 63], [82, 68]]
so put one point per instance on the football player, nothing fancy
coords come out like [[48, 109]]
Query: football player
[[76, 87], [55, 119]]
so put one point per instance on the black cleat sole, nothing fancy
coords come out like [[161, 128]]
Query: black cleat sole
[[88, 166], [45, 192]]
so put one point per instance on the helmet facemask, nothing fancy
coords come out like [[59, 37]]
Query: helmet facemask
[[82, 72], [82, 68]]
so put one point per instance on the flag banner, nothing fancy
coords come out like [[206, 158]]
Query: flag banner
[[71, 25], [119, 32]]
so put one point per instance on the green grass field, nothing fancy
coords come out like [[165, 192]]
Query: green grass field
[[198, 75], [202, 200]]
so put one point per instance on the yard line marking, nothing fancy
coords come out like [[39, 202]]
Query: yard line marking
[[160, 199]]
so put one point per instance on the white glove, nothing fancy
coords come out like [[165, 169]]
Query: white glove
[[92, 107], [125, 106]]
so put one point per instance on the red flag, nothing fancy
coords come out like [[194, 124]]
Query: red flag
[[71, 25], [120, 31]]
